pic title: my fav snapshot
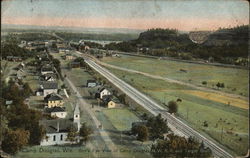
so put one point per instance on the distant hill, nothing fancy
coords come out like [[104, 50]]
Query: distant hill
[[229, 36], [224, 45]]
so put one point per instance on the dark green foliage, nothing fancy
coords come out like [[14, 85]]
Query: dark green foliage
[[204, 82], [102, 37], [141, 131], [15, 140], [226, 45], [10, 49], [220, 85], [176, 146], [72, 134], [85, 132], [19, 117], [157, 126], [35, 36], [172, 107], [122, 98]]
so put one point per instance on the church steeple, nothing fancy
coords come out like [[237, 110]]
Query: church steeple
[[76, 118]]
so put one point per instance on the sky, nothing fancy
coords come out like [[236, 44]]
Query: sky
[[185, 15]]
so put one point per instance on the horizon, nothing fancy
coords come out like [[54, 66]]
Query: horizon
[[133, 15]]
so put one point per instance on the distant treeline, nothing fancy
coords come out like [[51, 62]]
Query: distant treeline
[[12, 49], [35, 36], [104, 37], [225, 45]]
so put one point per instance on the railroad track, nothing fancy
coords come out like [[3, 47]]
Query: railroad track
[[156, 109]]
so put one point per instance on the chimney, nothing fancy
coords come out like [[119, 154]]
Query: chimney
[[58, 126]]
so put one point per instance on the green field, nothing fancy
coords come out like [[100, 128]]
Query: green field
[[122, 119], [196, 73], [195, 110]]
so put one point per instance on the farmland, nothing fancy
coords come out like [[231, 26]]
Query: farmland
[[194, 73], [227, 123]]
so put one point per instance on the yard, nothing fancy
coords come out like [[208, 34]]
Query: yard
[[194, 73], [122, 119], [196, 108]]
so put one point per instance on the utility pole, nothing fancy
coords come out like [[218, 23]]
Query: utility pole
[[164, 98], [221, 134], [121, 136]]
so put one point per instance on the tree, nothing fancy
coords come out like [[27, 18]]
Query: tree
[[172, 107], [72, 134], [122, 98], [14, 140], [26, 90], [37, 133], [142, 132], [204, 82], [176, 146], [157, 126], [85, 132]]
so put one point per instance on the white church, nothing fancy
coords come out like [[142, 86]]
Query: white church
[[57, 129]]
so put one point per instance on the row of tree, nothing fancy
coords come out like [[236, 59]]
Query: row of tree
[[19, 124]]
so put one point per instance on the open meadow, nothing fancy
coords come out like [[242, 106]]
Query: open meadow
[[235, 80], [226, 123]]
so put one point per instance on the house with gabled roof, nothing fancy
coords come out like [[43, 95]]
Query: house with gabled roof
[[46, 69], [108, 101], [57, 112], [91, 83], [53, 100], [102, 91], [57, 129], [49, 87]]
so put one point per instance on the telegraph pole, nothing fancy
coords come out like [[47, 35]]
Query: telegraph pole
[[221, 134]]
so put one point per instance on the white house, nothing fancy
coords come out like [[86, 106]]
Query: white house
[[46, 70], [57, 129], [58, 112], [91, 83], [49, 87], [102, 92]]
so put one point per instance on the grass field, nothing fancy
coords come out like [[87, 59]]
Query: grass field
[[196, 73], [196, 108], [122, 119]]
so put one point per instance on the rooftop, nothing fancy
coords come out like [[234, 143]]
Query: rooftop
[[54, 109], [51, 126], [52, 97], [50, 85]]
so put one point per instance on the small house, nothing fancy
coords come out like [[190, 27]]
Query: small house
[[102, 92], [46, 69], [58, 112], [75, 64], [116, 55], [69, 57], [53, 100], [57, 129], [49, 87], [91, 83], [108, 102]]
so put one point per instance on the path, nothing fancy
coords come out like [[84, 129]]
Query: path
[[84, 106]]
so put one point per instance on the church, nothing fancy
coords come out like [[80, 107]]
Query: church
[[57, 129]]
